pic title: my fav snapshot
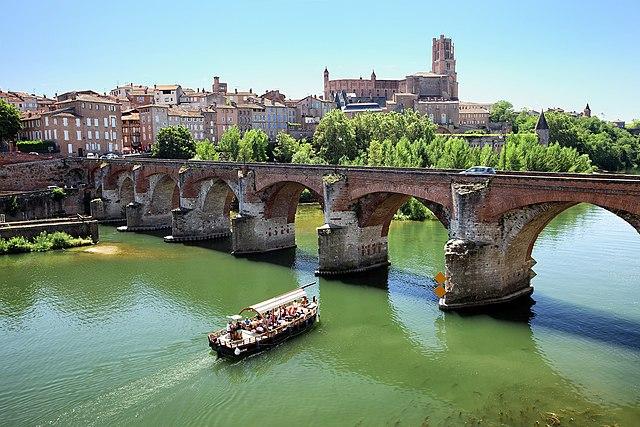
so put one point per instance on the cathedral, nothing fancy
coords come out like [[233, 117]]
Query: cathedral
[[439, 84]]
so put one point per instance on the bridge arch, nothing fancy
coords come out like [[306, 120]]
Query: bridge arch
[[281, 199], [522, 227], [165, 194], [379, 209]]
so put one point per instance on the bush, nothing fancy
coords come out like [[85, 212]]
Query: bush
[[58, 193], [41, 243], [37, 146], [18, 244]]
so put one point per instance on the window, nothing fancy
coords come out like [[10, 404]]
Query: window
[[106, 135], [106, 122], [96, 134], [65, 121], [113, 121], [89, 135], [88, 121], [90, 106], [77, 123], [79, 135], [95, 122], [70, 148], [55, 134], [55, 120], [66, 135]]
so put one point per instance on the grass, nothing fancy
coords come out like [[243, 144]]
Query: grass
[[41, 243]]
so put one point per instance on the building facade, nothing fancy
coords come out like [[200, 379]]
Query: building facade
[[167, 94], [131, 132], [80, 124]]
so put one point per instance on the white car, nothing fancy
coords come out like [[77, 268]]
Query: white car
[[479, 170], [92, 156]]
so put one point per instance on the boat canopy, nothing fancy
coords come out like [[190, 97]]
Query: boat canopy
[[275, 302]]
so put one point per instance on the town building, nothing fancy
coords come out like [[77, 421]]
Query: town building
[[226, 117], [26, 102], [167, 94], [210, 129], [277, 117], [78, 124], [155, 117], [245, 116], [131, 132], [474, 115], [137, 97], [124, 91]]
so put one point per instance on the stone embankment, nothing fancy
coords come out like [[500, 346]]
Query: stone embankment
[[76, 227]]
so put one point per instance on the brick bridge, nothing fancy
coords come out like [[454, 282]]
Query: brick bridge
[[493, 221]]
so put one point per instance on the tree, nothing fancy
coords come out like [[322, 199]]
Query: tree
[[228, 146], [285, 147], [253, 146], [335, 138], [174, 142], [10, 123], [206, 150], [502, 111], [306, 155], [633, 124]]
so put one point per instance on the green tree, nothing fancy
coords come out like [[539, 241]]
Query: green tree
[[10, 123], [174, 142], [375, 154], [229, 144], [206, 150], [306, 155], [456, 154], [285, 147], [334, 138], [502, 111], [253, 146], [633, 124]]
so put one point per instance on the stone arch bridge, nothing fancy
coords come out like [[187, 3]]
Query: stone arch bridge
[[493, 220]]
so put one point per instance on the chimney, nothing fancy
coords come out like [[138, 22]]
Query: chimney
[[250, 90], [236, 90], [154, 86]]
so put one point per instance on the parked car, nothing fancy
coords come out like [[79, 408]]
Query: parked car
[[479, 170], [33, 153], [92, 156]]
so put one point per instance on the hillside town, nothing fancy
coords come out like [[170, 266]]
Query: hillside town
[[129, 117]]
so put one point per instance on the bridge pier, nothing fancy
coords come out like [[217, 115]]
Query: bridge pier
[[344, 247], [193, 224], [252, 231], [483, 266]]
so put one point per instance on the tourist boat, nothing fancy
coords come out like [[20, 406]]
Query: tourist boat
[[269, 323]]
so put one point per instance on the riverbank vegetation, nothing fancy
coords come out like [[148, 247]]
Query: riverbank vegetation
[[41, 243]]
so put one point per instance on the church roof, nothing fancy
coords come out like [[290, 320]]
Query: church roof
[[542, 122]]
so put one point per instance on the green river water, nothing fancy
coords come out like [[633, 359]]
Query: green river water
[[117, 335]]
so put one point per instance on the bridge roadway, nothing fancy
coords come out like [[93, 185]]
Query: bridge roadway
[[493, 220]]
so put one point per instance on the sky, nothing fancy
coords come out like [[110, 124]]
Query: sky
[[542, 54]]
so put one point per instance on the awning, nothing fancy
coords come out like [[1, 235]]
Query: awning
[[280, 300]]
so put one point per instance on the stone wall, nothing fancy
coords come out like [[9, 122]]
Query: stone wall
[[30, 176], [29, 229], [20, 206]]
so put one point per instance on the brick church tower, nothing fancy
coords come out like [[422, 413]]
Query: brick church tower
[[444, 62]]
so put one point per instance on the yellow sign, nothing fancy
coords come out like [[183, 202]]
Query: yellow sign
[[440, 278], [439, 291]]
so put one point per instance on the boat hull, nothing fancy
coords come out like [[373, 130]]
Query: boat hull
[[265, 344]]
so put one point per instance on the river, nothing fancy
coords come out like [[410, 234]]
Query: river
[[117, 335]]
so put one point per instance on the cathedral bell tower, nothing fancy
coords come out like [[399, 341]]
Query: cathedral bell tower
[[443, 62]]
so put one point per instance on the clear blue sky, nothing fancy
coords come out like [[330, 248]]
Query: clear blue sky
[[539, 54]]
